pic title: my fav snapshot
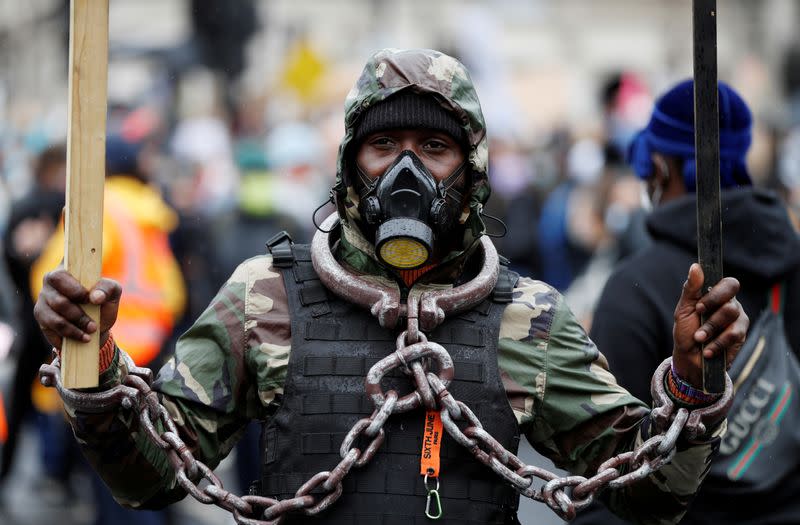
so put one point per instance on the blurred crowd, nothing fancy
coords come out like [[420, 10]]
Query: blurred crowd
[[232, 167]]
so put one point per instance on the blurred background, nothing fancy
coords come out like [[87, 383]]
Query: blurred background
[[233, 110]]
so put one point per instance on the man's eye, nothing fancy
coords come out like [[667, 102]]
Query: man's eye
[[381, 141], [436, 145]]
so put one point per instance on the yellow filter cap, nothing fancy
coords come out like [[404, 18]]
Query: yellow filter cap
[[404, 253]]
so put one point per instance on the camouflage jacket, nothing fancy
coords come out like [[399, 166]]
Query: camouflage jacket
[[230, 366]]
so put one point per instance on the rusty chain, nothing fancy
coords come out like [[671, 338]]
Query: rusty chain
[[413, 355]]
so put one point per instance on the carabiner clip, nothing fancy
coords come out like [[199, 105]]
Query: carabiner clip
[[433, 505]]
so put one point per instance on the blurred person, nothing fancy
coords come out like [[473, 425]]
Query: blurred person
[[201, 186], [32, 221], [261, 212], [569, 226], [633, 321], [297, 185], [789, 173], [34, 217], [619, 202], [624, 216], [626, 104], [290, 336], [206, 145], [790, 79], [136, 252], [517, 201]]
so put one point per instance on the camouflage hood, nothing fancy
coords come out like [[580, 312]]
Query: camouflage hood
[[388, 72]]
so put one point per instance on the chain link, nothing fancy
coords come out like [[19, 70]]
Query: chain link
[[564, 495]]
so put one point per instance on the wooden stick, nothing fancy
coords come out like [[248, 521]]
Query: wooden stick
[[86, 159], [706, 129]]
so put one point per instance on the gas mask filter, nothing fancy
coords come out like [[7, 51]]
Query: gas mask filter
[[408, 210]]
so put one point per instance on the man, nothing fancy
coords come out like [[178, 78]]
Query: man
[[136, 254], [633, 320], [32, 221], [286, 340]]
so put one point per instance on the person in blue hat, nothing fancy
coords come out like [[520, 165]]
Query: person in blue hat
[[634, 316], [666, 146]]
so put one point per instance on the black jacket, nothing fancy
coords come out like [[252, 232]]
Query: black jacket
[[633, 322]]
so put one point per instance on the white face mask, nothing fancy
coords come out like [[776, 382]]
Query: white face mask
[[658, 192], [644, 198], [655, 199]]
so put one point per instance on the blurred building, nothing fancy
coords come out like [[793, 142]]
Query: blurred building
[[557, 50]]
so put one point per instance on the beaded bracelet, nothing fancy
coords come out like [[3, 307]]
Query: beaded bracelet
[[686, 393]]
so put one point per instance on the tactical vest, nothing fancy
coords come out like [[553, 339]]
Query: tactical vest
[[334, 344]]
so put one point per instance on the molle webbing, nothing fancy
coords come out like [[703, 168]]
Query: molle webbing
[[334, 344]]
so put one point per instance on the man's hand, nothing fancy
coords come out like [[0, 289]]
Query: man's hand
[[724, 329], [58, 310]]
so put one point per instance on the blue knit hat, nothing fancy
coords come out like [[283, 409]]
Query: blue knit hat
[[671, 132]]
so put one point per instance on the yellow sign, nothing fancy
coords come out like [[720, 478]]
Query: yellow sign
[[304, 71]]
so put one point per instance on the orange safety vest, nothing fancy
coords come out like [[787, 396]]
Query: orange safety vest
[[3, 422], [139, 260], [136, 253]]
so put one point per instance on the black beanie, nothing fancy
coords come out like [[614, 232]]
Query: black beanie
[[408, 109]]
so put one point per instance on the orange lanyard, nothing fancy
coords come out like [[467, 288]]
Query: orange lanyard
[[429, 461], [431, 445]]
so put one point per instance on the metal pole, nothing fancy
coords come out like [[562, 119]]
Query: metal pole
[[706, 118]]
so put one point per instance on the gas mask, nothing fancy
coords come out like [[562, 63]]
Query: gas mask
[[408, 211]]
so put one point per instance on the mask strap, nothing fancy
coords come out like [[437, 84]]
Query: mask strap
[[367, 184], [452, 179], [454, 196], [314, 215], [497, 220], [448, 185]]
